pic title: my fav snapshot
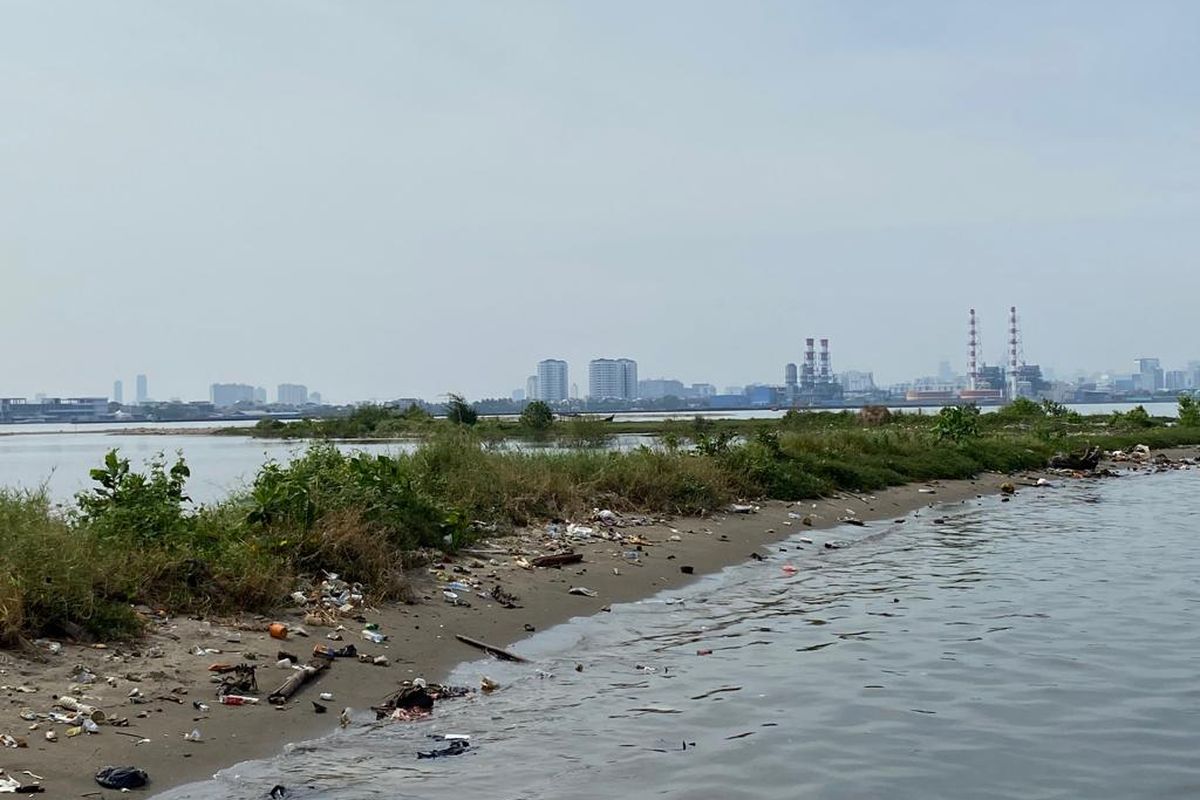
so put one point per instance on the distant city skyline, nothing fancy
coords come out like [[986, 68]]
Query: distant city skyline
[[1162, 375]]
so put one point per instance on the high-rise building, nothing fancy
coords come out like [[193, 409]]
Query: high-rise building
[[703, 390], [659, 388], [260, 395], [143, 390], [291, 394], [118, 395], [224, 395], [518, 395], [552, 383], [1177, 379], [612, 379], [531, 392], [314, 398], [1149, 374]]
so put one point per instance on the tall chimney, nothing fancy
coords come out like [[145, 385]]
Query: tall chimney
[[826, 373], [972, 352], [810, 362], [1014, 341]]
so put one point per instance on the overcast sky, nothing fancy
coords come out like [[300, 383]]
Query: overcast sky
[[384, 199]]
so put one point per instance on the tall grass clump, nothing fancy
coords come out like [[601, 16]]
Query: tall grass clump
[[56, 578]]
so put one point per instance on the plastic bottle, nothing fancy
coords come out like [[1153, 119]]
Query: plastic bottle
[[237, 699]]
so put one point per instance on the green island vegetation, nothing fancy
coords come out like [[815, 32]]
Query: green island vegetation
[[135, 537]]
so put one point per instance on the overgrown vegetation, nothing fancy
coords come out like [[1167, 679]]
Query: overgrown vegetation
[[135, 537]]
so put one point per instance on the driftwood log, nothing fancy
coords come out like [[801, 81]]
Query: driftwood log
[[491, 650], [315, 666], [557, 560], [1086, 461]]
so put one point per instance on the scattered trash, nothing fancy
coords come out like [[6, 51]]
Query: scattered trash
[[237, 700], [788, 569], [376, 637], [806, 540], [687, 570], [380, 661], [51, 736], [8, 740], [456, 748], [122, 778], [1007, 488], [242, 679], [318, 708], [582, 590], [852, 521], [487, 685], [10, 785], [278, 792], [739, 508], [836, 544], [193, 736], [704, 652], [346, 651], [196, 704], [277, 630], [83, 676], [326, 696]]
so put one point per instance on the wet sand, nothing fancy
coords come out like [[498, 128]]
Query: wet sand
[[421, 642]]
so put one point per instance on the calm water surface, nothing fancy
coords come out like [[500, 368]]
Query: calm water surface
[[219, 464], [1044, 648]]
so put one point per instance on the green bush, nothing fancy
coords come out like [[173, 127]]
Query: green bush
[[1189, 412], [140, 508], [956, 423], [537, 417]]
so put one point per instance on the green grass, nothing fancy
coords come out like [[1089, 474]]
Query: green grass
[[134, 538]]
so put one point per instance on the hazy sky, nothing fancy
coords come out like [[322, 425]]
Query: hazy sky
[[385, 199]]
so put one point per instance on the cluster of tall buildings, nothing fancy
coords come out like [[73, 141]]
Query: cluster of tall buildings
[[608, 379], [142, 387], [228, 395], [293, 395]]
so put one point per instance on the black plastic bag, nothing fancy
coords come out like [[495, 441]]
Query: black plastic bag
[[122, 778]]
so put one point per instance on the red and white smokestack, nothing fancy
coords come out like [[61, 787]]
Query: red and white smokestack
[[972, 352], [1014, 341], [1013, 338]]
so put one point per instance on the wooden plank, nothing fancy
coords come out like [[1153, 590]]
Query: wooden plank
[[557, 560], [491, 650]]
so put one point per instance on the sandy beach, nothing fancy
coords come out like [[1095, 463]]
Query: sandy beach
[[169, 668]]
